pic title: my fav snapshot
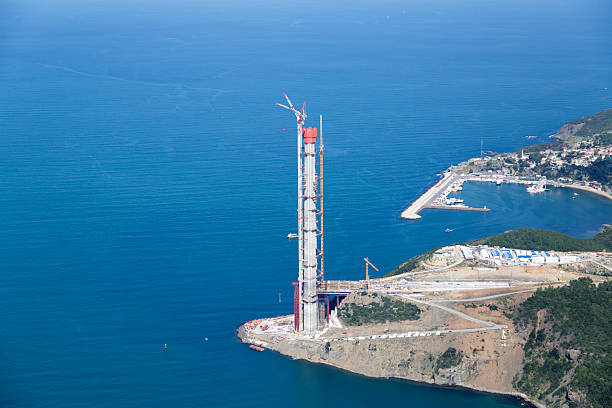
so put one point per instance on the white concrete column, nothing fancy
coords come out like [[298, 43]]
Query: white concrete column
[[310, 241]]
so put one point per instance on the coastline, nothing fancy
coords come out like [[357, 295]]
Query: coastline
[[450, 176], [589, 189], [488, 359], [489, 343], [425, 381]]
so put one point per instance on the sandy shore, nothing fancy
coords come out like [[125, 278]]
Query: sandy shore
[[589, 189]]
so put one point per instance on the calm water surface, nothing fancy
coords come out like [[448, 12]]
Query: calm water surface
[[147, 180]]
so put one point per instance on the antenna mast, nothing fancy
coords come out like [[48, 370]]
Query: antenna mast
[[481, 141]]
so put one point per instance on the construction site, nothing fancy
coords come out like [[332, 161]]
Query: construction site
[[461, 296]]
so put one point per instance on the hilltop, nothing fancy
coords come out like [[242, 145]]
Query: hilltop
[[523, 238], [596, 127], [547, 240], [592, 130], [567, 360]]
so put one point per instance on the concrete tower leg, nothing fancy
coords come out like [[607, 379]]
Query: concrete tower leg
[[311, 316]]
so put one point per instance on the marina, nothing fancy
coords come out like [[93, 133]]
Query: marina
[[438, 196]]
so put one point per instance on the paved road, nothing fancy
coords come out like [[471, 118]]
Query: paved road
[[486, 324], [452, 311], [477, 299]]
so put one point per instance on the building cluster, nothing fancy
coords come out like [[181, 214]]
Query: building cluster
[[495, 256], [579, 157]]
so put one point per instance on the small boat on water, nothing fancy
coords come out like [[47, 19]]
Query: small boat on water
[[292, 235], [448, 230], [498, 182], [256, 348]]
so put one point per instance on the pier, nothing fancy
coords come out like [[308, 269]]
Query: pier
[[458, 207], [436, 196], [412, 212]]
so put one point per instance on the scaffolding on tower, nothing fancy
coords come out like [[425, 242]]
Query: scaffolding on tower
[[306, 302]]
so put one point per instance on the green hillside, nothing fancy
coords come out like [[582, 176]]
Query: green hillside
[[547, 240], [600, 123], [526, 238], [568, 358], [596, 129]]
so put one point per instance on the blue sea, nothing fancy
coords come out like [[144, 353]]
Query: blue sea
[[147, 181]]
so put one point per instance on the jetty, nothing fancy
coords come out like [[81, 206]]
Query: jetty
[[459, 207], [412, 212], [436, 197]]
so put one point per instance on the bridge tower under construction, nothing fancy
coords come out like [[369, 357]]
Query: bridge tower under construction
[[310, 219]]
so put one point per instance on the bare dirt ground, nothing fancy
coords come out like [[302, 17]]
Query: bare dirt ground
[[544, 273], [490, 358], [491, 353]]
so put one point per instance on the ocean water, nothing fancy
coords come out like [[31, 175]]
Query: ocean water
[[147, 181]]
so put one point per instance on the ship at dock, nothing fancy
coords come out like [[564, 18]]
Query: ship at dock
[[539, 187]]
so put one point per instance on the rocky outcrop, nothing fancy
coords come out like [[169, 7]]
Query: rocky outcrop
[[573, 354], [568, 130], [489, 359], [484, 368], [577, 397]]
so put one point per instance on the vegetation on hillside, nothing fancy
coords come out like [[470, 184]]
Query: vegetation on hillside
[[450, 358], [600, 171], [525, 238], [594, 124], [382, 310], [568, 355], [547, 240], [532, 149], [597, 129], [413, 263]]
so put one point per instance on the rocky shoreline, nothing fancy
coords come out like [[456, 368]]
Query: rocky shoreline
[[321, 353], [476, 339], [485, 360]]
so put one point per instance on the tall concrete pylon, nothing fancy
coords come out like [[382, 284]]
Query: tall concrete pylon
[[306, 302], [311, 232]]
